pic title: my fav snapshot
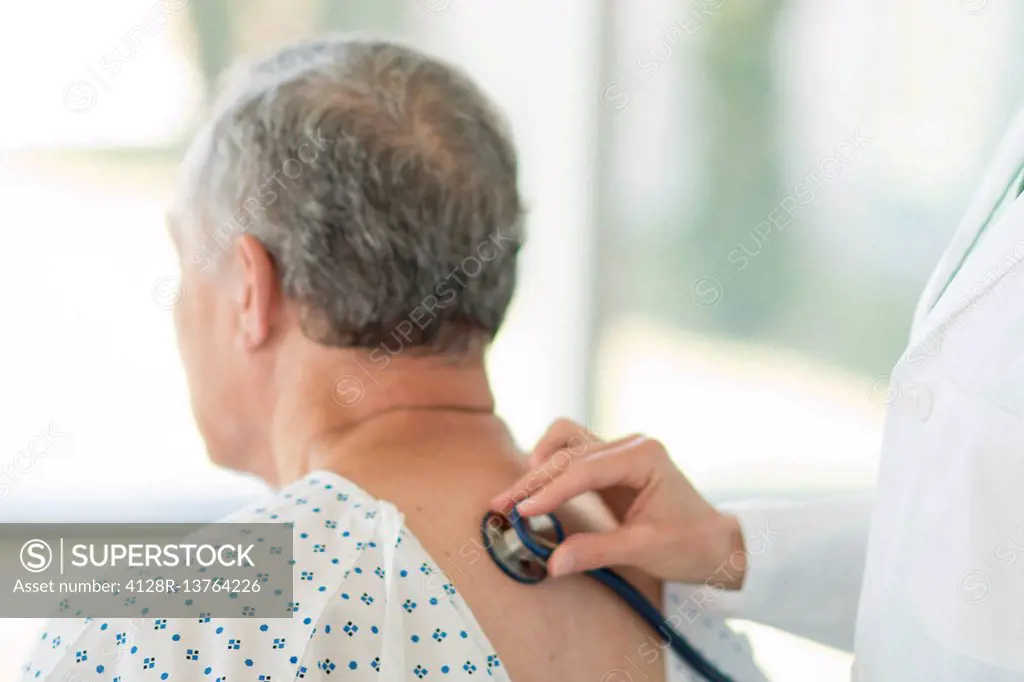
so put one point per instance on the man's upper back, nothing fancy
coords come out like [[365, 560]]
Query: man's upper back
[[371, 603]]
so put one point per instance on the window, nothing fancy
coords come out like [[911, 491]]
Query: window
[[732, 208]]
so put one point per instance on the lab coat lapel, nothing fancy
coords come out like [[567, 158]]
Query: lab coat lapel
[[996, 254]]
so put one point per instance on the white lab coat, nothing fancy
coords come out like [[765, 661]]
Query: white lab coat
[[927, 580]]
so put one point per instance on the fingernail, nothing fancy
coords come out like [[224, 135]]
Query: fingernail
[[526, 505], [560, 564]]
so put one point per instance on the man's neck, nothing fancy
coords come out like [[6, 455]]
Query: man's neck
[[322, 409]]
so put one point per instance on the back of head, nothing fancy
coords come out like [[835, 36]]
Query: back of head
[[374, 176]]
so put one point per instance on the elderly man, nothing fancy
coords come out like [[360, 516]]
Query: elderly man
[[348, 228]]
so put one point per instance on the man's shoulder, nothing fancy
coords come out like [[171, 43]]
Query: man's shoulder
[[337, 529]]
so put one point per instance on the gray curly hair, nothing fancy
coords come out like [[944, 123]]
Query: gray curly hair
[[381, 181]]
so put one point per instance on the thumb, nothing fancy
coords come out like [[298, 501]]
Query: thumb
[[588, 551]]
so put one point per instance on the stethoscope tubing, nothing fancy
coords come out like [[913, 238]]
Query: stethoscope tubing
[[650, 613], [625, 591]]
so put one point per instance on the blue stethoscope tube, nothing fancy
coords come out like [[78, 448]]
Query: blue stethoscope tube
[[516, 564]]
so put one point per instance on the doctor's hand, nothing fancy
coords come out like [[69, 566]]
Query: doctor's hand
[[665, 527]]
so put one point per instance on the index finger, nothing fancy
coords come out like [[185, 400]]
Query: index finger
[[548, 472], [613, 466], [564, 434]]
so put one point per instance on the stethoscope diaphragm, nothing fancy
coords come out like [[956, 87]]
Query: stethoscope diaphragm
[[520, 546]]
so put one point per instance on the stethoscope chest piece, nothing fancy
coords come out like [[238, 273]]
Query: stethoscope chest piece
[[521, 546]]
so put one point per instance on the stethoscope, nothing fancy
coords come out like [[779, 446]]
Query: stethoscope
[[521, 547]]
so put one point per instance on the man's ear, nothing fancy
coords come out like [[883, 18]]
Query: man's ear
[[257, 291]]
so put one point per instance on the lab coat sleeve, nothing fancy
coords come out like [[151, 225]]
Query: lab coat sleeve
[[805, 563]]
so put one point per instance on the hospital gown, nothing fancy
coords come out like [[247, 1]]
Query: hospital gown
[[369, 604]]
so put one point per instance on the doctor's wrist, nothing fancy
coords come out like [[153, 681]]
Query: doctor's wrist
[[731, 564]]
